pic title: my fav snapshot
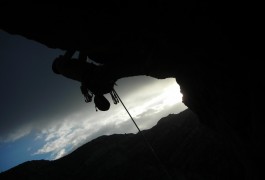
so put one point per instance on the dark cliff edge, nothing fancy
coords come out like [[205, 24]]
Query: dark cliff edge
[[187, 149]]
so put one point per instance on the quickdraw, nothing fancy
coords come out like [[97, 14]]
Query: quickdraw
[[114, 97]]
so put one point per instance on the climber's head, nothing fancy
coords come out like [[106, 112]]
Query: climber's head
[[101, 102], [56, 63]]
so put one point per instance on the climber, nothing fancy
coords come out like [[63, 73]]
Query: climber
[[94, 79]]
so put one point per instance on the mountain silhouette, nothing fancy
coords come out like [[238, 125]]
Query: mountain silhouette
[[187, 149]]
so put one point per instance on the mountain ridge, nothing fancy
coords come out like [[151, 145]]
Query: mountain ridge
[[186, 148]]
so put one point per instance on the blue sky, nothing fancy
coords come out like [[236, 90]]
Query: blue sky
[[19, 151], [44, 116]]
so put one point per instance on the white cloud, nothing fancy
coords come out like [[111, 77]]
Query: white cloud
[[61, 153], [72, 131], [147, 105]]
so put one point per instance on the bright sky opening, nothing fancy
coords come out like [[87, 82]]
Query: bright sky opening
[[44, 116]]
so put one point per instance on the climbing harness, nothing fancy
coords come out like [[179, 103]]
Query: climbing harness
[[88, 96], [118, 99]]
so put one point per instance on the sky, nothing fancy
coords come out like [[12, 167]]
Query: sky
[[44, 116]]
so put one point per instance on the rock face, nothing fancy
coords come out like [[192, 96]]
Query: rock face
[[212, 49], [187, 149]]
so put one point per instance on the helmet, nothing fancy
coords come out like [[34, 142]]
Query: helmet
[[55, 65], [101, 102]]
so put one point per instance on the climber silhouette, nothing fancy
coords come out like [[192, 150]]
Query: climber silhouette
[[94, 79]]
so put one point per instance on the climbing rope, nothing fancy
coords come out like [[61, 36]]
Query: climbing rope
[[115, 94]]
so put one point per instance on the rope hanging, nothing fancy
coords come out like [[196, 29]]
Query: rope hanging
[[143, 136]]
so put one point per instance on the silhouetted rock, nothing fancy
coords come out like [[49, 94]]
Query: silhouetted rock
[[188, 150], [212, 49]]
